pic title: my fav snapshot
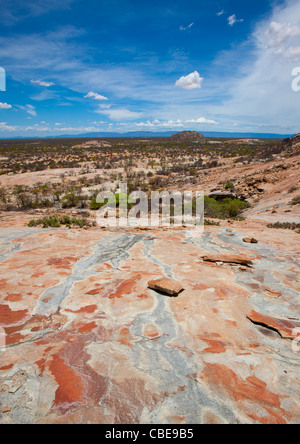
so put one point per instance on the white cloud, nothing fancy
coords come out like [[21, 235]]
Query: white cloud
[[202, 120], [220, 13], [233, 19], [186, 28], [282, 37], [280, 32], [96, 96], [42, 83], [5, 127], [293, 52], [261, 91], [191, 81], [120, 114], [29, 109], [179, 123], [5, 106]]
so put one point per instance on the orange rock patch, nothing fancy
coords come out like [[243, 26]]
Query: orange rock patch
[[9, 317]]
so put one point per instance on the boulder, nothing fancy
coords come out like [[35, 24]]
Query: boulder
[[220, 195], [250, 240]]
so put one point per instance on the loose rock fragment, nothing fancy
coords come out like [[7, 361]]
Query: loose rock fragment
[[228, 258], [250, 240], [165, 285], [283, 326]]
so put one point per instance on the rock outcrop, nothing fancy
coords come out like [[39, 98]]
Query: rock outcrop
[[188, 136]]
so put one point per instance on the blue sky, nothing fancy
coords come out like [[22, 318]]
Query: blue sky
[[124, 65]]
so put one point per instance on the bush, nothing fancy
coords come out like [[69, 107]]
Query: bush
[[228, 208], [211, 222], [285, 225], [56, 222], [295, 201], [229, 186]]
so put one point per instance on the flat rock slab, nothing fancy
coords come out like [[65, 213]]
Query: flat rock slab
[[228, 258], [284, 327], [165, 285]]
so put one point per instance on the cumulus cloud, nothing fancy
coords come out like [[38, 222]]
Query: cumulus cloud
[[5, 106], [96, 96], [202, 120], [233, 19], [191, 81], [120, 114], [5, 127], [42, 83], [280, 32], [283, 38], [170, 124]]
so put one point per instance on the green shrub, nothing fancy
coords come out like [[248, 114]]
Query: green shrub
[[56, 222], [211, 222], [227, 208], [229, 186], [285, 225]]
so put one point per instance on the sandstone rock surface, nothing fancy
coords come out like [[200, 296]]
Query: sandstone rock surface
[[88, 342]]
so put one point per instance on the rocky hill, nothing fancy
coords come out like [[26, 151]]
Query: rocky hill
[[292, 144], [188, 136]]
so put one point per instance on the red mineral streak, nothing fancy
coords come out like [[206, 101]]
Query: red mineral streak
[[71, 387], [88, 309], [14, 339], [125, 342], [6, 367], [126, 287], [66, 262], [14, 297], [252, 388], [8, 316], [95, 291], [87, 327], [77, 382], [215, 346]]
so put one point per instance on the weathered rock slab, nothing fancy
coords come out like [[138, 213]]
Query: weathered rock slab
[[165, 285], [228, 258]]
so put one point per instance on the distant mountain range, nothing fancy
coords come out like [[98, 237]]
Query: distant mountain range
[[171, 133], [162, 134]]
